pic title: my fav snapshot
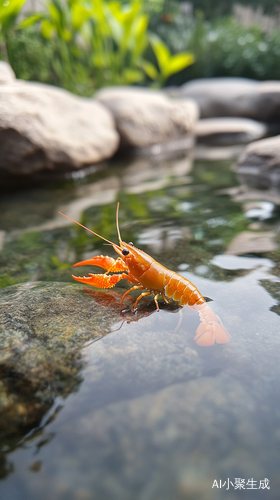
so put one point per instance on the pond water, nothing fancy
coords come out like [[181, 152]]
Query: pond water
[[101, 403]]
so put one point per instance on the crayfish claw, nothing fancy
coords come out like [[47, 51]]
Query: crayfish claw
[[101, 280]]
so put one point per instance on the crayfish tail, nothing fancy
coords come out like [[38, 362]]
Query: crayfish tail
[[207, 334], [211, 329]]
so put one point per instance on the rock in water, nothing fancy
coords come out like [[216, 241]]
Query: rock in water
[[46, 128], [220, 96], [259, 165], [233, 97], [43, 327], [229, 130], [147, 117]]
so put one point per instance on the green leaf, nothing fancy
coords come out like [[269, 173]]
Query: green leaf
[[116, 28], [149, 69], [161, 52], [9, 10], [47, 28], [66, 34], [179, 62], [31, 20], [98, 12], [54, 12], [132, 75], [79, 16], [138, 37]]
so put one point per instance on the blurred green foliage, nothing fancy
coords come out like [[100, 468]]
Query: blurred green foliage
[[167, 63], [222, 47], [88, 44], [9, 10], [82, 45], [219, 8]]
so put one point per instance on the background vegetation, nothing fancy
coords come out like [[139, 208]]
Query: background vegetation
[[83, 45], [222, 47], [212, 9]]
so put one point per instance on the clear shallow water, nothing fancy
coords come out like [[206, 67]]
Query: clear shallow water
[[154, 416]]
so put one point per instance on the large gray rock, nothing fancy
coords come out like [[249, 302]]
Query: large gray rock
[[6, 73], [46, 128], [147, 117], [233, 97]]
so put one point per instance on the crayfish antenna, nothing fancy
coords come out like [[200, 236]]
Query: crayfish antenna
[[117, 223], [84, 227]]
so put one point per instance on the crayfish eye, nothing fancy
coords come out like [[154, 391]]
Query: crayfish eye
[[130, 243], [125, 251]]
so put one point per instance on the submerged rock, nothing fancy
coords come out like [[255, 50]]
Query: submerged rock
[[252, 242], [47, 128], [43, 327], [167, 445], [147, 117]]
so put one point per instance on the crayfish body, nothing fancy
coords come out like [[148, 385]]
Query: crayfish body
[[150, 277]]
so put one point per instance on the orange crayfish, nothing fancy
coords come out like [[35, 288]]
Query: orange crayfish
[[148, 275]]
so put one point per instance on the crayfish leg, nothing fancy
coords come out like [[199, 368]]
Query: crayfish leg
[[140, 297], [137, 287], [156, 301]]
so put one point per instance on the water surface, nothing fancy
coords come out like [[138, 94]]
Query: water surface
[[132, 407]]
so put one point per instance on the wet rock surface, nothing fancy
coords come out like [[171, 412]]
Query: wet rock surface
[[145, 117], [229, 130], [252, 242], [46, 128], [42, 329], [259, 165]]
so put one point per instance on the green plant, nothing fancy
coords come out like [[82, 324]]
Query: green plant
[[229, 49], [83, 45], [103, 40], [168, 64], [32, 58], [223, 48], [9, 10]]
